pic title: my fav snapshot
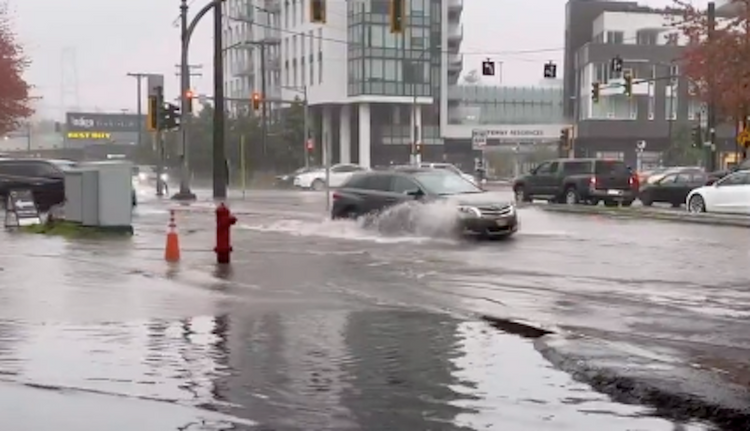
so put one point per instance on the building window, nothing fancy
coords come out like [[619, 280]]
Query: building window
[[671, 107], [646, 37], [294, 12], [615, 37], [695, 109], [312, 70], [303, 69], [294, 73], [320, 67]]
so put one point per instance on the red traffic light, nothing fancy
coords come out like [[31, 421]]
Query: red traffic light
[[256, 101], [310, 145], [189, 94]]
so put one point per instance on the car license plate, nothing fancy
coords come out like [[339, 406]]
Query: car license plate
[[501, 222], [614, 192]]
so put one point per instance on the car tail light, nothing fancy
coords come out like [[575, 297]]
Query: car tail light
[[592, 182], [336, 196], [633, 181]]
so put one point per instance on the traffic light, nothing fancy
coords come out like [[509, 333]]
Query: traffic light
[[628, 85], [152, 117], [169, 118], [595, 90], [397, 12], [418, 148], [256, 101], [565, 143], [550, 70], [616, 65], [189, 96], [318, 11]]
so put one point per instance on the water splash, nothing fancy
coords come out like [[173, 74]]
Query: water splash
[[412, 222]]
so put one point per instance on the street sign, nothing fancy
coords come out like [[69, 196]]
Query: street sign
[[154, 83], [488, 68], [478, 139], [20, 209], [550, 70], [743, 138]]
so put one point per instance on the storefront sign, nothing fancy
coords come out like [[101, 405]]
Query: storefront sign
[[89, 135], [514, 133], [94, 121]]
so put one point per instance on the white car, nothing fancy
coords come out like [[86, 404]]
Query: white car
[[316, 180], [450, 167], [729, 195]]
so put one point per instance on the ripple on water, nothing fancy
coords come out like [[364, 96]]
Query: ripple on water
[[375, 369]]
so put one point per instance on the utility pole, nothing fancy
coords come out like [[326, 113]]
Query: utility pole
[[264, 105], [185, 32], [305, 126], [711, 148], [219, 163], [139, 105]]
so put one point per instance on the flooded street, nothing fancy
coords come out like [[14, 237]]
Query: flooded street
[[322, 325]]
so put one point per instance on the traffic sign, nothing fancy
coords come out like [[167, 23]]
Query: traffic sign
[[488, 68], [478, 139], [744, 138]]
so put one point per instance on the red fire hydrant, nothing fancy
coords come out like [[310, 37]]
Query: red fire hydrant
[[224, 222]]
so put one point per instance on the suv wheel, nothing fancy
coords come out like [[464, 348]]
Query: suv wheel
[[571, 196], [521, 195], [317, 185]]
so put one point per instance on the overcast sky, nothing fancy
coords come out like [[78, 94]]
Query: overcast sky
[[91, 45]]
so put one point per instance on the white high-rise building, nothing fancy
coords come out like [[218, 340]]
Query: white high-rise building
[[369, 91]]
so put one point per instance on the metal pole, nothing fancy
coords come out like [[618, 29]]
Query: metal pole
[[243, 167], [327, 155], [159, 144], [264, 104], [219, 156], [711, 149], [184, 193], [305, 127], [139, 110]]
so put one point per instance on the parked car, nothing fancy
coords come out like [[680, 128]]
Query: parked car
[[730, 195], [672, 188], [287, 180], [717, 175], [45, 179], [477, 211], [316, 179], [574, 181]]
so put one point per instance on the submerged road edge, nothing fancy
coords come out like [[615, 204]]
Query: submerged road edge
[[675, 390], [650, 214]]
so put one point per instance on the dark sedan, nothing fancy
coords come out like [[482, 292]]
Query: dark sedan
[[477, 211], [673, 188]]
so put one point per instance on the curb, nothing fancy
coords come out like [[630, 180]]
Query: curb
[[676, 390], [632, 213]]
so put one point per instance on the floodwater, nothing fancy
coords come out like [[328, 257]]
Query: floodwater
[[325, 325]]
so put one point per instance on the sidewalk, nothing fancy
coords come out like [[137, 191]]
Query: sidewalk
[[681, 216]]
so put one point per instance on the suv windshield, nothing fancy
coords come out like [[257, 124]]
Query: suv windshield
[[441, 182], [611, 167]]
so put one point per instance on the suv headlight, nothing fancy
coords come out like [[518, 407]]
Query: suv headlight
[[467, 211]]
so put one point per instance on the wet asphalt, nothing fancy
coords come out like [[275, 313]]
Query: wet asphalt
[[323, 325]]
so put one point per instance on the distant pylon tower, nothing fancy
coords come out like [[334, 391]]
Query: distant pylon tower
[[69, 98]]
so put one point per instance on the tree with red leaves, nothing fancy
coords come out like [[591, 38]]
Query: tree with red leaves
[[724, 60], [15, 101]]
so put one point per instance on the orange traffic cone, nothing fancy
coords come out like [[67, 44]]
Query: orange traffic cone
[[172, 250]]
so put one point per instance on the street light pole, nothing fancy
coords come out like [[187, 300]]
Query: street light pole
[[185, 193], [711, 148]]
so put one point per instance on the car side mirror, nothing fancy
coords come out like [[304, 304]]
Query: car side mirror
[[416, 193]]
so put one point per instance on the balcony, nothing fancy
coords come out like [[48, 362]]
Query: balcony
[[246, 13], [273, 62], [455, 6], [455, 32], [455, 63], [272, 6], [243, 68], [270, 36]]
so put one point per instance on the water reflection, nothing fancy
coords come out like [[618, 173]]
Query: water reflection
[[370, 370]]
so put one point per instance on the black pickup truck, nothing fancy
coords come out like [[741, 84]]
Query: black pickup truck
[[574, 181]]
